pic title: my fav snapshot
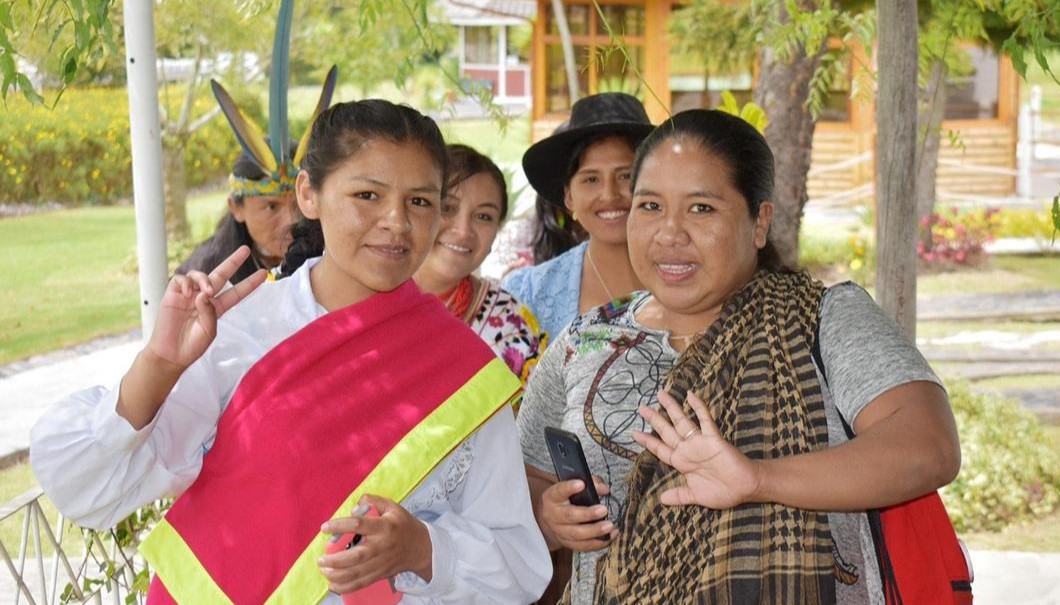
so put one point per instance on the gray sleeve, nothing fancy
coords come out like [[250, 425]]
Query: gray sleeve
[[864, 352], [543, 404]]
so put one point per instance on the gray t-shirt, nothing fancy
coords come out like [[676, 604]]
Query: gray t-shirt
[[592, 378]]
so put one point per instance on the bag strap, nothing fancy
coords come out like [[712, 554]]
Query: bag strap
[[883, 557]]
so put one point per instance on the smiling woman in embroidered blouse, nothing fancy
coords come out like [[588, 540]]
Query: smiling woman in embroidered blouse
[[472, 213], [587, 169]]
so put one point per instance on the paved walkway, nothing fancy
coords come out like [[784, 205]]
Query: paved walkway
[[1034, 306], [1016, 578], [25, 395]]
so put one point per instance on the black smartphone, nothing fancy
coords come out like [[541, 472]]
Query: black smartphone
[[569, 461]]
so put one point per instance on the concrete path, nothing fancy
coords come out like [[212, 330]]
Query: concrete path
[[25, 395], [1016, 578], [1033, 306]]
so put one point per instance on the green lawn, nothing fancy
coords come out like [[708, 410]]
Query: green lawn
[[1041, 535], [1005, 274], [1042, 381], [67, 276], [63, 279], [831, 251]]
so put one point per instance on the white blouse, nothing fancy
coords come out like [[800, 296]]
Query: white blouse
[[97, 469]]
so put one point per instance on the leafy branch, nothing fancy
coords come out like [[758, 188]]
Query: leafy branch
[[617, 45], [82, 29]]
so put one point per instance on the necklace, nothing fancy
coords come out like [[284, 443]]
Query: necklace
[[687, 338], [600, 278], [458, 300]]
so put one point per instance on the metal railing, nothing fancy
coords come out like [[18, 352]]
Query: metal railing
[[53, 564]]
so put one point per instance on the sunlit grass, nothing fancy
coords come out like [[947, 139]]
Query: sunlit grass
[[67, 276]]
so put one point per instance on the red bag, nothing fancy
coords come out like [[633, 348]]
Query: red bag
[[921, 560]]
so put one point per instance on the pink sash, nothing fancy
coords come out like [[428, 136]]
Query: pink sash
[[306, 426]]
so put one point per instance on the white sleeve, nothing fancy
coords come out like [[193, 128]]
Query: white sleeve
[[488, 549], [97, 469]]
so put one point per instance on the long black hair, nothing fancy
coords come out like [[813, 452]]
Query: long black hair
[[743, 149], [338, 134], [555, 231]]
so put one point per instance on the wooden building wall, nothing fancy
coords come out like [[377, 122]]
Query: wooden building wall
[[842, 168]]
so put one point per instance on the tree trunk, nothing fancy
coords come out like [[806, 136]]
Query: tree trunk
[[568, 49], [782, 90], [175, 190], [174, 141], [929, 120], [896, 147]]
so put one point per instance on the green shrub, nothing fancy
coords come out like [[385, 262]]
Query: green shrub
[[78, 152], [821, 252], [851, 256], [177, 251], [1010, 469]]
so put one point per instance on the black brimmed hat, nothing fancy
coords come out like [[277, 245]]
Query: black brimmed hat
[[545, 162]]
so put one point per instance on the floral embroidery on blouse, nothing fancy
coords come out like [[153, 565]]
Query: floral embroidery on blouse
[[510, 329]]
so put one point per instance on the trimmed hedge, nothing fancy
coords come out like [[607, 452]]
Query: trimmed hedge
[[78, 152], [1010, 469]]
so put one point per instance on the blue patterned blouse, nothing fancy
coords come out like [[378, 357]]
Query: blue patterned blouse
[[551, 289]]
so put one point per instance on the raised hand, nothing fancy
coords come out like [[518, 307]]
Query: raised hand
[[186, 325], [717, 475], [579, 528], [191, 305], [393, 542]]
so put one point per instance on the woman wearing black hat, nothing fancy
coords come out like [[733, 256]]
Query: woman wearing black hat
[[585, 168]]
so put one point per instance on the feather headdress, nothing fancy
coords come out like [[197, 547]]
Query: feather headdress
[[272, 154]]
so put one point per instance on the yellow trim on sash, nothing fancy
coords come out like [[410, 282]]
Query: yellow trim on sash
[[186, 580], [396, 475]]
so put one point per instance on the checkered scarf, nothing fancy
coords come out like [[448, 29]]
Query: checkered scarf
[[754, 370]]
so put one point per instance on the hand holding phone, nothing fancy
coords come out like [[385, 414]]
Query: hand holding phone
[[340, 542], [568, 458], [379, 593], [584, 525]]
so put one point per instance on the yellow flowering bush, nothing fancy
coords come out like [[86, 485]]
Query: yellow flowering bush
[[78, 152], [1026, 222]]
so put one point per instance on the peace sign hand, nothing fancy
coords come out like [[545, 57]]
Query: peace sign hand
[[717, 475], [187, 319]]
